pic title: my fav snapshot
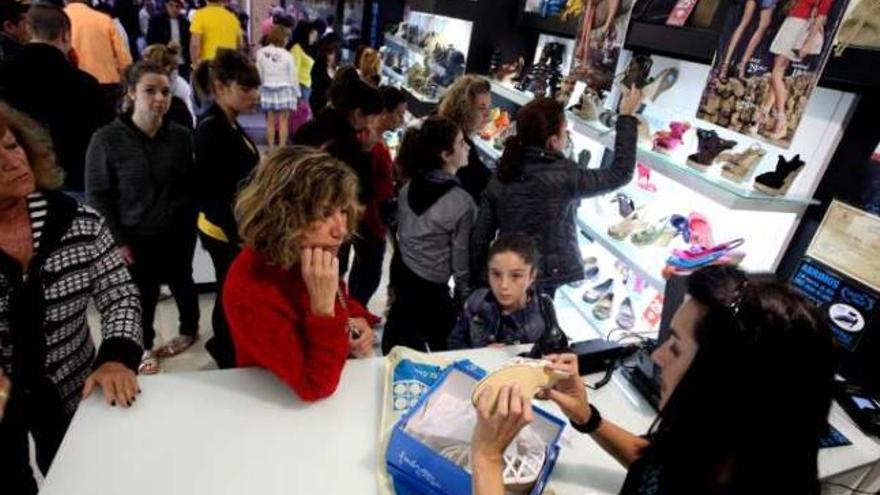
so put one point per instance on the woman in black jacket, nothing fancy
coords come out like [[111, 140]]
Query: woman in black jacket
[[225, 155], [323, 70], [139, 175], [536, 189]]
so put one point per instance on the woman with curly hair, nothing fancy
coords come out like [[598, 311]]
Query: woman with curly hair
[[57, 256], [288, 312], [467, 103]]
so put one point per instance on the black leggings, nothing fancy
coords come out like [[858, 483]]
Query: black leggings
[[220, 346], [422, 313]]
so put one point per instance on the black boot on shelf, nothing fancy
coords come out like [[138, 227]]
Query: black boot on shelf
[[777, 182], [709, 146]]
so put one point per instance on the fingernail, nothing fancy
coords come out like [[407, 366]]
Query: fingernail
[[113, 403], [139, 390]]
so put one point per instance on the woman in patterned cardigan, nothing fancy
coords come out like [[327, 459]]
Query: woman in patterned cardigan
[[55, 257]]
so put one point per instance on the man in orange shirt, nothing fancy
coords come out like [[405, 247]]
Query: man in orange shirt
[[100, 49]]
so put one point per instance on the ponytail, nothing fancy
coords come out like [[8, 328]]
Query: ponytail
[[536, 122], [422, 147], [227, 67]]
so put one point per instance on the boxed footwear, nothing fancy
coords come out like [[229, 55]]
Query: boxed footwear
[[427, 453]]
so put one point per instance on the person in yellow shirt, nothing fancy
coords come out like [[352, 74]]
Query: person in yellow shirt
[[305, 35], [213, 27], [99, 47]]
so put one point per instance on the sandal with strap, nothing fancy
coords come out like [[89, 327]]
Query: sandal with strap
[[176, 346], [149, 364]]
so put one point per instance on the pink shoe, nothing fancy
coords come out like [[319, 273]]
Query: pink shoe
[[666, 141], [645, 178]]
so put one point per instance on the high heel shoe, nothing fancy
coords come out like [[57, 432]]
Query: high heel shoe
[[737, 167], [778, 182], [709, 147], [667, 141], [645, 183], [664, 80]]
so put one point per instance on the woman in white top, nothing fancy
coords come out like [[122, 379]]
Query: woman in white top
[[279, 90]]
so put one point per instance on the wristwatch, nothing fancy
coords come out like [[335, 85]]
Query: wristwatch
[[591, 425]]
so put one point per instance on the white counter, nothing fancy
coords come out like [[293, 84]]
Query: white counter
[[243, 432]]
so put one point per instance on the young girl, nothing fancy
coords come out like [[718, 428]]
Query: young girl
[[280, 85], [509, 313], [435, 215]]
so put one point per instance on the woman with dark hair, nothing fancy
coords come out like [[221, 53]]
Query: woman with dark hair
[[302, 47], [468, 103], [536, 189], [139, 175], [435, 216], [57, 257], [324, 70], [745, 360], [225, 155]]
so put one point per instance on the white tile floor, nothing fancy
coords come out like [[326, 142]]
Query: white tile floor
[[197, 358]]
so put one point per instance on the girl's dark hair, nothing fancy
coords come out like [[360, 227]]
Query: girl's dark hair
[[536, 122], [517, 243], [391, 97], [422, 146], [136, 71], [755, 400], [229, 66], [348, 92], [328, 44], [300, 36]]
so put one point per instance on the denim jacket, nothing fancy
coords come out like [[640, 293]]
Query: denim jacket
[[481, 322]]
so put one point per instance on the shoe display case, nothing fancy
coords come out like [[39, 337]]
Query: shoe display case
[[674, 217], [425, 53]]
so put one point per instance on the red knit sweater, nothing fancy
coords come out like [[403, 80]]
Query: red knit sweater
[[268, 311]]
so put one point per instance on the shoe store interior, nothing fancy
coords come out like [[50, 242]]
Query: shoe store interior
[[566, 247]]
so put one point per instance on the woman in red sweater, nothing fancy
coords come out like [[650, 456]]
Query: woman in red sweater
[[287, 309]]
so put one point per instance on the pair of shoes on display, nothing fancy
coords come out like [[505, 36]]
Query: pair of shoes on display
[[684, 262], [591, 268], [710, 145], [778, 182], [589, 107], [737, 167], [631, 223], [667, 141], [593, 294]]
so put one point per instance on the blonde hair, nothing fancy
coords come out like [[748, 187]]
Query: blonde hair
[[37, 147], [288, 191], [163, 55], [278, 36], [370, 64], [458, 102]]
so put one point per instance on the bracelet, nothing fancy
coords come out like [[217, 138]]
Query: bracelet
[[591, 425]]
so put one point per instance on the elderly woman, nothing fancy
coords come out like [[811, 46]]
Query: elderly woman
[[286, 307], [56, 256]]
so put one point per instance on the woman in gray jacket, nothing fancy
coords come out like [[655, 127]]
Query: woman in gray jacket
[[536, 189], [139, 175]]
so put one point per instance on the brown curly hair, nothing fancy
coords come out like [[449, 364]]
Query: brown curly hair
[[288, 191], [458, 102], [37, 146]]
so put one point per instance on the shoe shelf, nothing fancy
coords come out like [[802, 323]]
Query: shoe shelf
[[400, 81], [487, 149], [510, 93], [406, 45], [605, 329], [726, 193], [647, 261]]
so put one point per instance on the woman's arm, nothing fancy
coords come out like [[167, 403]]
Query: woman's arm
[[484, 231], [461, 239], [101, 185]]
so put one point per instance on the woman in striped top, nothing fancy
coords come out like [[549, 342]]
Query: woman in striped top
[[56, 256]]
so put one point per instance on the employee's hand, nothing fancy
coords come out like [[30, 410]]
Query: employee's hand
[[498, 423], [569, 394], [5, 391], [631, 101], [127, 255], [118, 383], [361, 347], [320, 272]]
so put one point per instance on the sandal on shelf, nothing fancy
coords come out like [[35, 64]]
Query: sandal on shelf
[[701, 231], [628, 225], [626, 316], [650, 234], [149, 364], [176, 346], [645, 183], [602, 310]]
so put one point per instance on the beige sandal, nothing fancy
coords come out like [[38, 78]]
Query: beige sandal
[[149, 364], [176, 346], [739, 166]]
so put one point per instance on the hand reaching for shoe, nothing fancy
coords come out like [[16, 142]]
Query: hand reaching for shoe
[[631, 101], [320, 272], [569, 394]]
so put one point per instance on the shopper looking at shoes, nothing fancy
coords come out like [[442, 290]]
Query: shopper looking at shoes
[[435, 216], [288, 311], [468, 103], [56, 258], [536, 189], [733, 376], [140, 177], [225, 155], [509, 313]]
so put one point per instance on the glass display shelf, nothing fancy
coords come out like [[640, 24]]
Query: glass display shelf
[[406, 45], [722, 191], [400, 81], [487, 149], [510, 93]]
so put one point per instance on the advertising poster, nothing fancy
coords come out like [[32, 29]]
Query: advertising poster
[[599, 41], [770, 56]]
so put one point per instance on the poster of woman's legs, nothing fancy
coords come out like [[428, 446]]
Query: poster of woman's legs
[[599, 41], [770, 57]]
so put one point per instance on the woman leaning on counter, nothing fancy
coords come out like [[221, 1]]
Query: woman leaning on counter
[[287, 310]]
